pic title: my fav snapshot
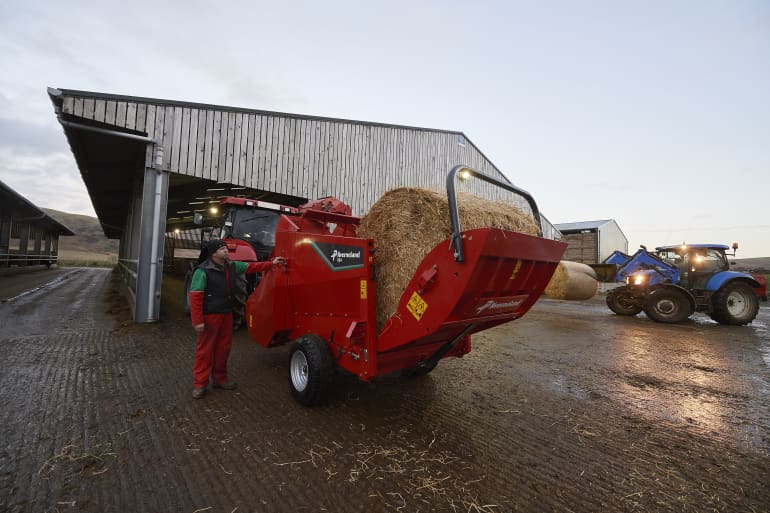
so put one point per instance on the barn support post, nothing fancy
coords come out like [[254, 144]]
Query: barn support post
[[24, 229], [152, 229], [5, 241]]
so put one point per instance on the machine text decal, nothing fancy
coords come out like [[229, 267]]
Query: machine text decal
[[339, 257], [493, 305]]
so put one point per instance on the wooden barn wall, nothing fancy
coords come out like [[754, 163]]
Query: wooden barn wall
[[297, 156], [582, 247]]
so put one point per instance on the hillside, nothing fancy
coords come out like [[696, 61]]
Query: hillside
[[89, 241], [760, 264]]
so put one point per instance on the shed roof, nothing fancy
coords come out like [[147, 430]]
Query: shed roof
[[582, 225], [13, 204], [273, 156]]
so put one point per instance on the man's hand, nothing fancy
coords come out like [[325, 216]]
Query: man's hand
[[199, 328], [279, 261]]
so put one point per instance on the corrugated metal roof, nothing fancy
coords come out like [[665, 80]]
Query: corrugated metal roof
[[582, 225]]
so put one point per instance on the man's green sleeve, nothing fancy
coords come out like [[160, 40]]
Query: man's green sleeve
[[198, 283]]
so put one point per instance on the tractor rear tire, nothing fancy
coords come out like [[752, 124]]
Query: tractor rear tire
[[622, 302], [240, 295], [310, 370], [735, 304], [668, 305]]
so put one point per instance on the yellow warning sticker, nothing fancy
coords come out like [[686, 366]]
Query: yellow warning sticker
[[417, 305], [363, 289]]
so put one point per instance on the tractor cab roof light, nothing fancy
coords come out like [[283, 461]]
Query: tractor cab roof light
[[267, 204]]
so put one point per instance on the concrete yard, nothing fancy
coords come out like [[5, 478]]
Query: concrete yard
[[570, 408]]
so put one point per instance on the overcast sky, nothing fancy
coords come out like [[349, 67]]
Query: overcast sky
[[655, 114]]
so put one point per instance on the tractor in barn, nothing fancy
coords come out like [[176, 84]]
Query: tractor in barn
[[323, 300], [672, 282], [248, 226]]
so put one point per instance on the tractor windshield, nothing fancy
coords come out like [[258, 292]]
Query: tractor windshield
[[708, 260], [671, 257], [254, 226]]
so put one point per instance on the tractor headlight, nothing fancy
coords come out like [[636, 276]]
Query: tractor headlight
[[639, 279]]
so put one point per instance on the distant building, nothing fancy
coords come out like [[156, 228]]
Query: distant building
[[28, 236], [590, 242]]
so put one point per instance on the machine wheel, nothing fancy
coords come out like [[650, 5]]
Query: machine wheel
[[310, 369], [736, 304], [622, 302], [668, 305]]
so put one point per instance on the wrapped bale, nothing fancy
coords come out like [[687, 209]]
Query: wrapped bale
[[407, 223], [572, 281]]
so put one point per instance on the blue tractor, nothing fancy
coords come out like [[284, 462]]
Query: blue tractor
[[673, 282]]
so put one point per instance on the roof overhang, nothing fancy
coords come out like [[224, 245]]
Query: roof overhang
[[112, 161], [109, 164]]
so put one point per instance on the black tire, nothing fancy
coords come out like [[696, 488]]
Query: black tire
[[310, 370], [240, 295], [735, 304], [621, 301], [668, 305]]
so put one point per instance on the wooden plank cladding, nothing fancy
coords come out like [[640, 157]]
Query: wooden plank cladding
[[295, 155]]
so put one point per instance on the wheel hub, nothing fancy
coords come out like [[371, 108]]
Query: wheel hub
[[736, 304], [666, 306], [298, 371]]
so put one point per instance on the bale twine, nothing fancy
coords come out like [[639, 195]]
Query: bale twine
[[407, 223], [572, 281]]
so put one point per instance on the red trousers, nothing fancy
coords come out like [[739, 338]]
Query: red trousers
[[214, 344]]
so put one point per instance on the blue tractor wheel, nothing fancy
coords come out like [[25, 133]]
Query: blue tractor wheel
[[623, 302], [735, 304], [669, 305]]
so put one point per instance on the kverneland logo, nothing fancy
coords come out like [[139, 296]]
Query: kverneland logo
[[339, 256], [497, 305]]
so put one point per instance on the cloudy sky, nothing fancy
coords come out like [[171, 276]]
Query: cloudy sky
[[655, 114]]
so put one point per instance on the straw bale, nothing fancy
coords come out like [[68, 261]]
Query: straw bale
[[572, 281], [407, 223]]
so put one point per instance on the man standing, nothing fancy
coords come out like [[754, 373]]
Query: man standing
[[211, 312]]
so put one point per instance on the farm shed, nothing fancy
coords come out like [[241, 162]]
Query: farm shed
[[590, 242], [28, 236], [150, 164]]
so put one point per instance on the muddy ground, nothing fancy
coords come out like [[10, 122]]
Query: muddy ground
[[569, 409]]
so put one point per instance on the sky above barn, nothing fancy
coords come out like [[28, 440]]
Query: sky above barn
[[655, 114]]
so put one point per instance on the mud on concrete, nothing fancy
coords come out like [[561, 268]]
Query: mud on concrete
[[569, 409]]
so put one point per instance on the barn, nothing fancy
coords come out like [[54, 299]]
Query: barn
[[28, 236], [150, 165], [590, 242]]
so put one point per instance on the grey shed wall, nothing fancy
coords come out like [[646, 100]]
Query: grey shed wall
[[611, 238], [289, 154]]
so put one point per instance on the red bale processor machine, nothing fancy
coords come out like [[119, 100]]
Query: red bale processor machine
[[323, 300]]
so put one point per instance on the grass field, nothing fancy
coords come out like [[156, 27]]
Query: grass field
[[71, 258]]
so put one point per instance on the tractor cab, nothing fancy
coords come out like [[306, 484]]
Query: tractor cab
[[248, 227], [697, 262]]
